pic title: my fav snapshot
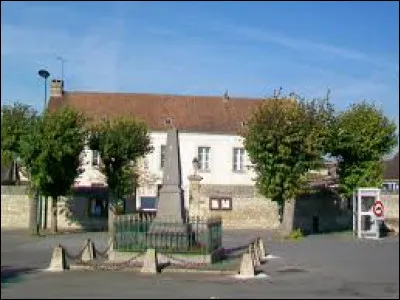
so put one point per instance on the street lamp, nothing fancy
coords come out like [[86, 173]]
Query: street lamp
[[44, 74]]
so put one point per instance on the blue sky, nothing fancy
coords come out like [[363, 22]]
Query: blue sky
[[205, 48]]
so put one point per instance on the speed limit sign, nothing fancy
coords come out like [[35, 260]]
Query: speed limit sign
[[378, 209]]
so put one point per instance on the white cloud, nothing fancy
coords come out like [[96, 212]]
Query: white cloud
[[241, 32]]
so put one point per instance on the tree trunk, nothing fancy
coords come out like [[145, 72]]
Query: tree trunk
[[288, 221], [33, 214], [54, 214]]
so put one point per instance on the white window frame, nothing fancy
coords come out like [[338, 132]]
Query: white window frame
[[238, 159], [204, 158], [147, 193], [147, 209], [95, 158]]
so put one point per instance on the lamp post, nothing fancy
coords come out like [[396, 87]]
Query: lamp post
[[44, 74]]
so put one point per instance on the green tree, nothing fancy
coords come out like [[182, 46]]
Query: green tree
[[284, 139], [51, 153], [119, 142], [16, 122], [362, 136]]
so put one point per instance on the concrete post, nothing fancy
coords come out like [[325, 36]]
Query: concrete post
[[58, 260], [150, 264], [89, 252], [247, 266]]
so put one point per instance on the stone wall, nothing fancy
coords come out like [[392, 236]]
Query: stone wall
[[320, 211], [73, 212], [14, 207], [391, 205], [249, 209]]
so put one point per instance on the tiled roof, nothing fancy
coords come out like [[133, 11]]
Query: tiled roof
[[391, 168], [186, 113]]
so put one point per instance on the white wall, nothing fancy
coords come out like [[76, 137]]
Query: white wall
[[220, 156], [91, 173], [220, 161]]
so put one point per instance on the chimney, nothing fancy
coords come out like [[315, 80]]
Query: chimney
[[56, 88]]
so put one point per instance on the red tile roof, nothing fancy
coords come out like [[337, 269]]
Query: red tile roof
[[187, 113]]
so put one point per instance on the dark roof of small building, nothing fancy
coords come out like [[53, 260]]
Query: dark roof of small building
[[391, 168], [214, 114]]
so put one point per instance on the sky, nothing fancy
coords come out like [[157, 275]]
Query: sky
[[248, 48]]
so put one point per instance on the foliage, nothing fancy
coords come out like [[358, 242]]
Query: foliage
[[296, 234], [285, 139], [120, 142], [363, 135], [51, 152], [16, 123]]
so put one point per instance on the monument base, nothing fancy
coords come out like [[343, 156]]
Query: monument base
[[169, 235]]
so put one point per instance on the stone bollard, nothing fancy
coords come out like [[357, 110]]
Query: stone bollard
[[261, 248], [150, 264], [257, 251], [58, 260], [247, 266], [253, 255], [89, 252]]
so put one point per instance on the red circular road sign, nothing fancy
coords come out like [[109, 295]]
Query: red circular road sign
[[378, 209]]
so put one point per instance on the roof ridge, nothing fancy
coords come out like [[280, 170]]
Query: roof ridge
[[163, 95]]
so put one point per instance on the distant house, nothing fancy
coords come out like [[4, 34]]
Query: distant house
[[208, 127], [391, 174], [209, 132]]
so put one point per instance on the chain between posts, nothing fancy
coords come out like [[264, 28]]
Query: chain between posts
[[71, 256], [103, 253], [184, 262]]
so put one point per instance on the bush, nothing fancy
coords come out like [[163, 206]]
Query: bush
[[296, 234]]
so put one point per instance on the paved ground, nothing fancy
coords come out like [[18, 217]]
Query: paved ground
[[323, 266]]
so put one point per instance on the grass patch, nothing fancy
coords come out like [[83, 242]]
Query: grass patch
[[296, 234]]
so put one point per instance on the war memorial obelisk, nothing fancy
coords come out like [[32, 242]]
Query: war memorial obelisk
[[170, 216]]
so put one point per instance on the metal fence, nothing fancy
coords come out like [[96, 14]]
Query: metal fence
[[140, 231]]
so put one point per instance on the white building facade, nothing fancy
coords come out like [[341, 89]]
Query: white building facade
[[208, 128], [222, 160]]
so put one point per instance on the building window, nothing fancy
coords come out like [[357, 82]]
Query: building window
[[95, 158], [162, 155], [238, 159], [146, 163], [148, 203], [98, 208], [204, 158]]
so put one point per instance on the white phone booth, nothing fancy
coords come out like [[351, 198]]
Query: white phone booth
[[367, 213]]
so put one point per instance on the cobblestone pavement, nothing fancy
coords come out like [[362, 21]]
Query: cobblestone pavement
[[321, 266]]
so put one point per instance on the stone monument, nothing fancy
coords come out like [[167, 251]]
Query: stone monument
[[170, 207]]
